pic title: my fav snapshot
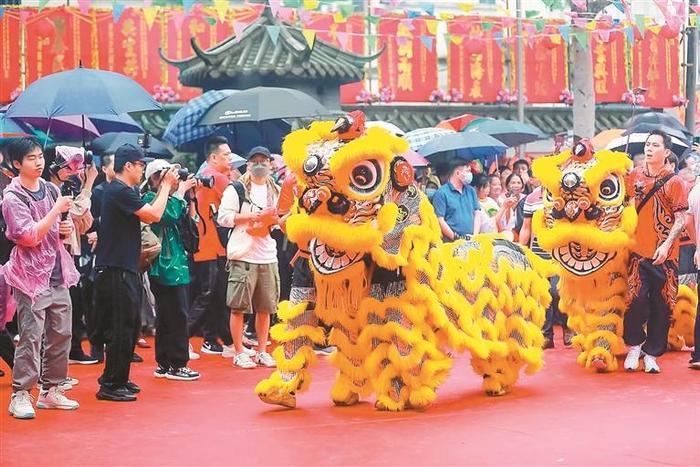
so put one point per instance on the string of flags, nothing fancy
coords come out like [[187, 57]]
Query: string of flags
[[579, 29]]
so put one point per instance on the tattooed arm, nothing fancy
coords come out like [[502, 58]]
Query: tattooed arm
[[661, 253]]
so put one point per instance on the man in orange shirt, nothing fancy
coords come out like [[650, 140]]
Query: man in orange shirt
[[208, 309], [661, 202]]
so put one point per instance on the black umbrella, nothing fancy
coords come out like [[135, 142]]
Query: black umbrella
[[262, 103], [634, 144], [649, 127], [109, 142], [657, 118]]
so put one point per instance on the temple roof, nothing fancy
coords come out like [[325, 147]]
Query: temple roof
[[254, 55]]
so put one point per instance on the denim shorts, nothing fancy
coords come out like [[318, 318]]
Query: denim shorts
[[252, 287]]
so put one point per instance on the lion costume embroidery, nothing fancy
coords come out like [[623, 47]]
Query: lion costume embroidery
[[588, 226], [397, 299]]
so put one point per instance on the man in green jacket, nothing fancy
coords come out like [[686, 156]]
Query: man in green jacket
[[170, 278]]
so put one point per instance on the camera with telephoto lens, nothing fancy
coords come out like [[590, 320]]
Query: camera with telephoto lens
[[207, 181]]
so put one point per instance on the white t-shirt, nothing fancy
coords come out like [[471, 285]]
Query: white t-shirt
[[263, 249], [489, 208], [694, 208]]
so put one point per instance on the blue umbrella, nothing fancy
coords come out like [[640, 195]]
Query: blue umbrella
[[510, 132], [183, 127], [466, 146], [10, 128], [82, 92], [73, 128]]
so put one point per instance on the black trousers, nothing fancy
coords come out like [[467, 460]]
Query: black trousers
[[7, 348], [171, 324], [653, 289], [553, 315], [119, 303], [208, 310]]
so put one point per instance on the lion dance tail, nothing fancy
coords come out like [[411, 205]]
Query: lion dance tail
[[683, 319]]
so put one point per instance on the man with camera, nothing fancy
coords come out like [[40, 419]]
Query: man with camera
[[40, 271], [118, 283], [67, 173], [169, 275], [208, 309]]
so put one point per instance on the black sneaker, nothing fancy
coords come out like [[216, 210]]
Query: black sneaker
[[98, 353], [212, 348], [182, 374], [115, 395], [160, 372], [136, 358], [132, 387], [81, 359]]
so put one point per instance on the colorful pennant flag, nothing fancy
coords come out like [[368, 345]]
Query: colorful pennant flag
[[311, 4], [539, 24], [428, 42], [310, 37], [221, 8], [343, 39], [42, 4], [84, 6], [582, 39], [2, 12], [273, 32], [432, 26], [428, 8], [372, 42], [564, 31], [149, 14], [466, 7], [187, 5], [338, 18], [531, 14], [117, 10], [629, 33]]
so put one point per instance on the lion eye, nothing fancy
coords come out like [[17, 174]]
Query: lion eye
[[609, 189], [365, 176]]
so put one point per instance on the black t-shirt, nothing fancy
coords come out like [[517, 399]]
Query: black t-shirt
[[119, 235]]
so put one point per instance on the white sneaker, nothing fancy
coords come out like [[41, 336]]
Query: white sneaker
[[21, 405], [66, 385], [265, 359], [243, 360], [632, 359], [193, 355], [55, 398], [230, 351], [650, 365]]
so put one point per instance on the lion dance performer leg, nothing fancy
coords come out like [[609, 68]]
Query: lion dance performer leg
[[397, 298]]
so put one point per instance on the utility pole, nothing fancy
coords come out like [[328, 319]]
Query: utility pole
[[520, 59], [691, 73]]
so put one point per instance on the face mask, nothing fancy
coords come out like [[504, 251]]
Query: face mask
[[259, 170], [467, 178], [429, 192]]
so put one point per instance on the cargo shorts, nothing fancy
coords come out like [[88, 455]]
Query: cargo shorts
[[252, 287]]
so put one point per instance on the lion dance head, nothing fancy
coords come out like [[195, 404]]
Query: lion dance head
[[586, 222], [354, 191]]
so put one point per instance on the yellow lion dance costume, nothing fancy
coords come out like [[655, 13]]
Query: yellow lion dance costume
[[588, 225], [396, 297]]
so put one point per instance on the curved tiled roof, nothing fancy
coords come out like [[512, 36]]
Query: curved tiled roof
[[255, 55]]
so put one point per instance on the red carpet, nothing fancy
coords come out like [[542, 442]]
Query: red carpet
[[561, 416]]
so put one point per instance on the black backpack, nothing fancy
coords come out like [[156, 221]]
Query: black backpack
[[187, 227], [225, 232]]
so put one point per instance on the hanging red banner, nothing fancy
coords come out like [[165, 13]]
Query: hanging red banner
[[609, 66], [655, 65], [407, 66], [475, 60], [545, 64], [10, 79]]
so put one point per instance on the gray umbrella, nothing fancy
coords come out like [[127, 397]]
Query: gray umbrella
[[262, 103]]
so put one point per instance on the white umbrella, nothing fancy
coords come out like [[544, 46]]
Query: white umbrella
[[422, 136]]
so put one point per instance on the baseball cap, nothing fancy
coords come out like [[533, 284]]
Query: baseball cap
[[128, 153], [259, 150], [155, 166]]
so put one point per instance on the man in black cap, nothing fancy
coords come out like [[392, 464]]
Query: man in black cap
[[118, 282]]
